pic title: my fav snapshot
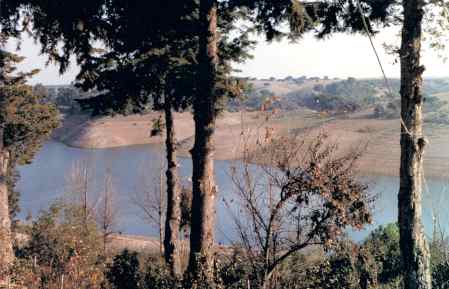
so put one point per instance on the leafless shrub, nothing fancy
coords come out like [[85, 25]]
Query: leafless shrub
[[293, 194], [149, 198], [101, 207], [107, 210], [78, 187]]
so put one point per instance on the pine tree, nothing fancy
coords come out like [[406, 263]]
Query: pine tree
[[163, 72], [159, 94], [25, 122]]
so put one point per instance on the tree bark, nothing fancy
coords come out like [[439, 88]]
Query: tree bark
[[203, 185], [6, 252], [173, 217], [414, 248]]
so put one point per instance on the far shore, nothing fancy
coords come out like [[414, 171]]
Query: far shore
[[235, 130]]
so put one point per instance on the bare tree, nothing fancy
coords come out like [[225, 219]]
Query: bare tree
[[107, 210], [149, 197], [300, 194], [78, 186]]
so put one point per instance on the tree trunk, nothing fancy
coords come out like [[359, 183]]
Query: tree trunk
[[414, 250], [160, 212], [203, 186], [173, 217], [6, 252]]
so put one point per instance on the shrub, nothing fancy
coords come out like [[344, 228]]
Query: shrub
[[383, 245], [440, 276], [63, 249], [124, 271]]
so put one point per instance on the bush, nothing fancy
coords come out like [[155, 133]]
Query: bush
[[124, 271], [63, 248], [158, 276], [375, 263], [440, 276], [383, 245]]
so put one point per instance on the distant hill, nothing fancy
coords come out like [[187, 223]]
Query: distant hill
[[332, 96], [340, 96]]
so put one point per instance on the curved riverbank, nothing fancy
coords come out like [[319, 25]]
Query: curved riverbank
[[234, 130]]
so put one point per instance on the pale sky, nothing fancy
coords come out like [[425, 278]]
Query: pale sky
[[342, 55]]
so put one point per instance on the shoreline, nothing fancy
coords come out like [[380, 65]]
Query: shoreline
[[362, 173], [234, 130]]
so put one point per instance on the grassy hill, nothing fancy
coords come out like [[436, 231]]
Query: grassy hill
[[340, 96]]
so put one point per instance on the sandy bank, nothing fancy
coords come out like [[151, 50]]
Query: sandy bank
[[108, 132], [236, 129]]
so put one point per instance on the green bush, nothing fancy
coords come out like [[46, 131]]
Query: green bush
[[124, 271], [383, 245], [63, 247], [440, 276]]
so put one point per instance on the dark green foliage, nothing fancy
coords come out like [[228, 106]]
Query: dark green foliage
[[124, 272], [338, 271], [331, 103], [27, 121], [382, 255], [158, 276], [63, 244], [339, 16], [375, 262], [440, 276], [76, 23], [439, 258], [235, 275], [383, 245], [352, 88], [337, 97], [132, 79], [186, 208]]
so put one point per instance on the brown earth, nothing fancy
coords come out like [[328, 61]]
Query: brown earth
[[116, 243], [236, 130], [107, 132]]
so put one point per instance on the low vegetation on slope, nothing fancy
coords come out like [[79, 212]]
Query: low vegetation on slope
[[340, 96]]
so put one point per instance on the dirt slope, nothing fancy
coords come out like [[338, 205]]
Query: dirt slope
[[234, 130]]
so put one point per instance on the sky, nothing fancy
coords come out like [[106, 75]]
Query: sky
[[342, 55]]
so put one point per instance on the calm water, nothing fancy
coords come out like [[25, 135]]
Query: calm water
[[45, 181]]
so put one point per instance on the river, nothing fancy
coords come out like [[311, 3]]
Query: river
[[44, 181]]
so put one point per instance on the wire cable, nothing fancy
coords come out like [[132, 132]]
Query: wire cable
[[387, 83]]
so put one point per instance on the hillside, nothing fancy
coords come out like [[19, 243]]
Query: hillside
[[353, 112]]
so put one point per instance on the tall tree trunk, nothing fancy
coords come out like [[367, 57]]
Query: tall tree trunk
[[414, 249], [203, 185], [173, 217], [6, 253]]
